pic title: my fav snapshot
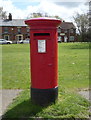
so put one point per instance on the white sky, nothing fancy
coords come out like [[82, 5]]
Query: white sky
[[22, 8]]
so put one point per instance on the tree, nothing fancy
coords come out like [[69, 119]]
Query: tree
[[82, 22], [2, 13], [36, 15]]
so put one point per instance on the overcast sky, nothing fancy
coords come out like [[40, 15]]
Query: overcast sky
[[22, 8]]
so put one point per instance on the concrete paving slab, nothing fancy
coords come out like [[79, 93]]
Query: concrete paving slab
[[85, 94], [6, 98]]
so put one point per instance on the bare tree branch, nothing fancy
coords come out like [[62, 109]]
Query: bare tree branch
[[2, 13]]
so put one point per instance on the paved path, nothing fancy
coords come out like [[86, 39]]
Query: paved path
[[6, 97], [86, 94]]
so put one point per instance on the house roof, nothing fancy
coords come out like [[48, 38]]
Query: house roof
[[20, 22], [13, 22], [67, 25]]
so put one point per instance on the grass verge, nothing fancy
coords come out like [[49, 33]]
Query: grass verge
[[69, 105], [73, 75]]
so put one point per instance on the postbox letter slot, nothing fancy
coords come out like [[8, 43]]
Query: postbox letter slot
[[41, 34], [41, 46]]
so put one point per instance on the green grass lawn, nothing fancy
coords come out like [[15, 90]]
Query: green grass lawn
[[74, 65], [73, 75], [15, 66]]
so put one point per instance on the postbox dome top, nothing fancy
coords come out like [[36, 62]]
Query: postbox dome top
[[43, 22]]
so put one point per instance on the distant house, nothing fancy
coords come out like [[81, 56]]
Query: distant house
[[13, 29], [67, 32], [16, 30]]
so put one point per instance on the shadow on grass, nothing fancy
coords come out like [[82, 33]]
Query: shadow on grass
[[22, 111]]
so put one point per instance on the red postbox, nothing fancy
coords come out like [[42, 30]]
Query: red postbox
[[44, 60]]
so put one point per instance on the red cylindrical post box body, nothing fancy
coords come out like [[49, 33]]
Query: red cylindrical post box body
[[44, 60]]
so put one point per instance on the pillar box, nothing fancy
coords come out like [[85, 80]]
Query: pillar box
[[43, 60]]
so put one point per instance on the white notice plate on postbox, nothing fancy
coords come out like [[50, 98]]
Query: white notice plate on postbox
[[41, 46]]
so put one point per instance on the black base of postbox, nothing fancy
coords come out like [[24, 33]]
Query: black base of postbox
[[44, 97]]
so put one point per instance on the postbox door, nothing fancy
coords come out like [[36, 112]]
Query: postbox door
[[44, 59]]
